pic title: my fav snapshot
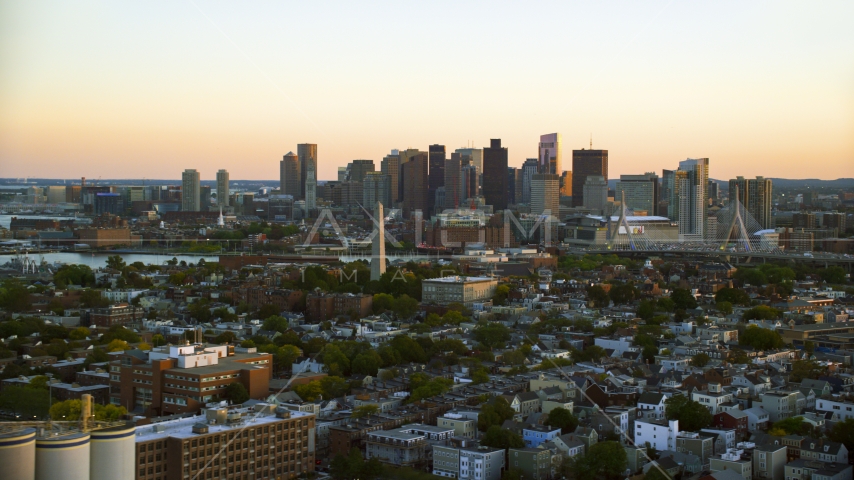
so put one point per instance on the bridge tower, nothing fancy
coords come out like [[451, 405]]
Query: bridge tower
[[614, 229], [736, 230]]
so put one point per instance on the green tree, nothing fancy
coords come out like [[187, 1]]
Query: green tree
[[79, 333], [276, 323], [724, 307], [761, 312], [497, 437], [623, 293], [760, 338], [683, 299], [92, 299], [500, 295], [495, 412], [365, 411], [646, 310], [700, 360], [843, 432], [405, 306], [382, 302], [335, 360], [236, 393], [691, 415], [14, 296], [367, 363], [803, 369], [598, 297], [74, 274], [117, 346], [656, 473], [833, 274], [115, 262], [603, 460], [479, 376], [493, 335], [27, 403], [562, 418], [791, 425], [735, 296]]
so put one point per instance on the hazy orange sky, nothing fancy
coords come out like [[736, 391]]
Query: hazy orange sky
[[147, 89]]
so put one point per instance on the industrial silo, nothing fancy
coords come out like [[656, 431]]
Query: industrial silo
[[113, 453], [18, 454], [63, 456]]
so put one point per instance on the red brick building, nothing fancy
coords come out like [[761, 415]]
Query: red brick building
[[119, 314], [324, 306], [736, 420], [257, 297], [182, 379]]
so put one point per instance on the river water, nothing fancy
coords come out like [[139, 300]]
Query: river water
[[99, 259]]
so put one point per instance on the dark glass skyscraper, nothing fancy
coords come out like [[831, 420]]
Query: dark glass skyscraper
[[437, 174], [586, 163], [495, 175]]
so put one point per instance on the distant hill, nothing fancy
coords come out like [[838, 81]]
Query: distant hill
[[786, 183]]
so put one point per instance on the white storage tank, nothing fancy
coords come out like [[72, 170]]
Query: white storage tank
[[18, 454], [114, 447], [64, 456]]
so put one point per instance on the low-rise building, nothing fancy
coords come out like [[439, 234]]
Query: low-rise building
[[658, 434], [466, 461], [457, 289], [397, 447], [534, 462], [732, 460], [534, 435], [769, 461], [463, 427], [228, 443], [802, 469]]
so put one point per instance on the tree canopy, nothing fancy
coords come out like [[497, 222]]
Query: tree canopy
[[760, 338], [691, 415]]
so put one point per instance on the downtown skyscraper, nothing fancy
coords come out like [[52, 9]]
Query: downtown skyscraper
[[495, 175], [436, 175], [307, 154], [755, 196], [289, 176], [693, 199], [550, 153], [222, 189], [190, 191], [586, 163]]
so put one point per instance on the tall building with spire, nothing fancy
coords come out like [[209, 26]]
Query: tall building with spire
[[310, 190], [222, 190], [378, 243], [307, 154]]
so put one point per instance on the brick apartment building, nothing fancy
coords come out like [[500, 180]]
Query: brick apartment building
[[228, 443], [321, 307], [182, 379], [119, 314], [257, 297], [104, 237]]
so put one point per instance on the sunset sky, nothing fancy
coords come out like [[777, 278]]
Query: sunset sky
[[147, 89]]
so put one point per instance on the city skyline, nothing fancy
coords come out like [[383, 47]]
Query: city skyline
[[214, 88]]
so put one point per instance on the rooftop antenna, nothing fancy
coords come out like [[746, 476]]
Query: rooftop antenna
[[591, 141]]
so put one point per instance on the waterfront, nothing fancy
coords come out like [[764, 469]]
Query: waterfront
[[99, 259]]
